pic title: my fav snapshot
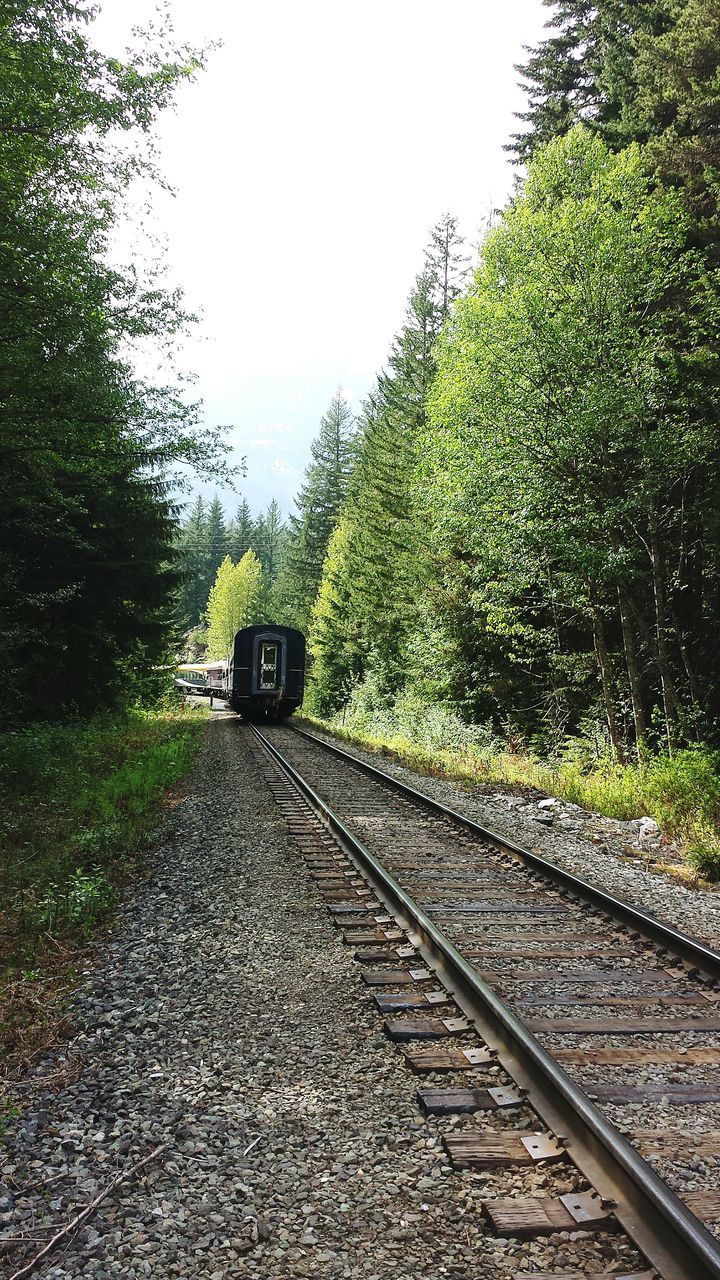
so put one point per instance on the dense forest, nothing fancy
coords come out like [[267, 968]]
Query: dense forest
[[515, 538], [88, 571], [530, 537], [250, 568]]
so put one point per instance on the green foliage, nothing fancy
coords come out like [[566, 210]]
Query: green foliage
[[204, 541], [586, 70], [87, 525], [318, 504], [681, 792], [77, 804], [560, 437], [367, 609], [530, 539], [235, 601]]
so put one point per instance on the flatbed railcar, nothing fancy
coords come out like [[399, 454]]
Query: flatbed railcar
[[265, 674]]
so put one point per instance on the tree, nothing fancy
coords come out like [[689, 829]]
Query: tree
[[216, 537], [318, 504], [233, 602], [678, 108], [269, 539], [562, 451], [241, 532], [586, 70], [87, 575], [194, 557], [379, 574]]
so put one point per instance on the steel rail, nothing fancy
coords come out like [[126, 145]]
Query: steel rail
[[672, 1239], [695, 953]]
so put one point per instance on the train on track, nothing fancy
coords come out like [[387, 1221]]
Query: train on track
[[264, 675]]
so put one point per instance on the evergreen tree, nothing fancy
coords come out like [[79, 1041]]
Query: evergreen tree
[[86, 575], [241, 532], [216, 537], [269, 539], [318, 503], [194, 559], [379, 564], [587, 71], [678, 109]]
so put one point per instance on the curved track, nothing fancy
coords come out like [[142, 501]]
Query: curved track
[[466, 899]]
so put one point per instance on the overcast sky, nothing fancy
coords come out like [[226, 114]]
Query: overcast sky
[[309, 162]]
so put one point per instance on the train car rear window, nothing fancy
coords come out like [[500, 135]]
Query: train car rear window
[[268, 666]]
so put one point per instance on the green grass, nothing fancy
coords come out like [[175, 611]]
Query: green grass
[[77, 805], [681, 792]]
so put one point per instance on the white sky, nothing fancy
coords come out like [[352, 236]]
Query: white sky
[[310, 161]]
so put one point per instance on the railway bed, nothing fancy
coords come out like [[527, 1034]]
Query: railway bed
[[551, 1025]]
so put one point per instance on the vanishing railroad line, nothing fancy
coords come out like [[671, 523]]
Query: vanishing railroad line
[[480, 955]]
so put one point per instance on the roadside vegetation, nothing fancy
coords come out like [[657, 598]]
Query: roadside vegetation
[[78, 804], [522, 571], [680, 792]]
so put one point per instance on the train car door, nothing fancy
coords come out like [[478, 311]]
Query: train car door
[[268, 666]]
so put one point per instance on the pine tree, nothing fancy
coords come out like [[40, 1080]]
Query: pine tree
[[269, 538], [87, 519], [586, 70], [241, 532], [194, 557], [216, 536], [381, 567], [319, 502]]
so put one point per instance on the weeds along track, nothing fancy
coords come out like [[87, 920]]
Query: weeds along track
[[604, 1023]]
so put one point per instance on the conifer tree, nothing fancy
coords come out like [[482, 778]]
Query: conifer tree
[[216, 537], [241, 531], [379, 564], [269, 539], [194, 557], [87, 522], [586, 71], [319, 502]]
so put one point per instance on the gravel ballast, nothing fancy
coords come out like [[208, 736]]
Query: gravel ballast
[[227, 1020]]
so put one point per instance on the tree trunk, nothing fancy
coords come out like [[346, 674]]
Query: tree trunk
[[605, 678], [633, 669], [671, 702]]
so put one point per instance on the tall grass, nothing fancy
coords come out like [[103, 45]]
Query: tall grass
[[77, 803], [681, 792]]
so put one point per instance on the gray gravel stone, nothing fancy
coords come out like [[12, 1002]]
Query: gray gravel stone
[[227, 1020]]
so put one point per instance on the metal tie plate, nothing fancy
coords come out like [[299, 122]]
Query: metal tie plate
[[542, 1146], [585, 1206]]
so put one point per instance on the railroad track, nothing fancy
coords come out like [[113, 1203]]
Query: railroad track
[[479, 955]]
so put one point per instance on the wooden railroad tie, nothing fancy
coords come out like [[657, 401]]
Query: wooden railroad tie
[[375, 955], [632, 1055], [453, 1102], [389, 1001], [581, 999], [476, 1150], [358, 937], [394, 977], [619, 1026], [677, 1095], [423, 1061], [669, 1144], [523, 1217], [544, 953], [583, 1275], [424, 1028]]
